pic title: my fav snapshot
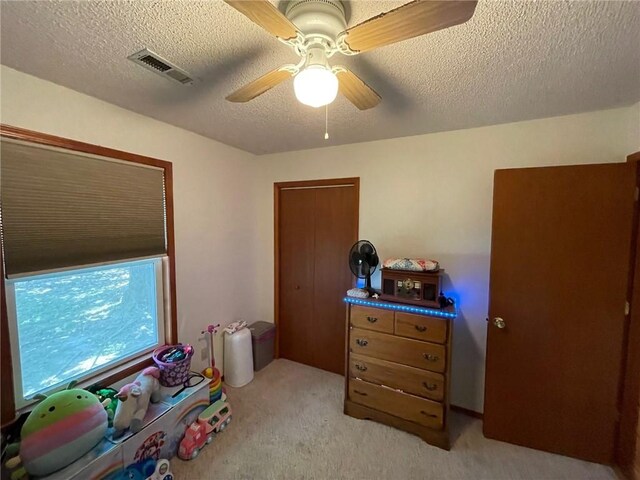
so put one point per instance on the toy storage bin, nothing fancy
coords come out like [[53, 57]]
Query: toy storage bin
[[263, 337], [238, 358], [176, 373]]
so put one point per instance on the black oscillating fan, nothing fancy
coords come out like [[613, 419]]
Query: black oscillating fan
[[363, 261]]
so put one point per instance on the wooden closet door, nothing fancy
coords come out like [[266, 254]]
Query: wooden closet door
[[317, 225], [560, 252], [297, 261], [336, 230]]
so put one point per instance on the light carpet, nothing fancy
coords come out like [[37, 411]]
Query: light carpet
[[288, 424]]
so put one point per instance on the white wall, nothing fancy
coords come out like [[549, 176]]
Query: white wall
[[213, 235], [633, 121], [431, 195]]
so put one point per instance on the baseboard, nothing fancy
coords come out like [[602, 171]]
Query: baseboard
[[466, 411]]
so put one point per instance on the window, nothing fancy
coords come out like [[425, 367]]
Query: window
[[87, 264], [75, 323]]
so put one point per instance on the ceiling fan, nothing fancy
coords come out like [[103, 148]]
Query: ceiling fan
[[317, 29]]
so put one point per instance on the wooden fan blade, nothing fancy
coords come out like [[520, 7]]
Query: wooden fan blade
[[410, 20], [265, 14], [260, 85], [356, 91]]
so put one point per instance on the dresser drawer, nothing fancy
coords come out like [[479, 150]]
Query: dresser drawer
[[424, 355], [408, 379], [429, 329], [372, 318], [419, 410]]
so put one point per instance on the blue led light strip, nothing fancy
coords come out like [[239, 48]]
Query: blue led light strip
[[401, 308]]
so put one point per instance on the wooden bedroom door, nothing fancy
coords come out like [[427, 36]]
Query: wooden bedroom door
[[316, 224], [560, 253]]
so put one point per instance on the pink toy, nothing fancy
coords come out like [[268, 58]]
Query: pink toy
[[195, 437], [211, 330], [134, 401], [201, 432]]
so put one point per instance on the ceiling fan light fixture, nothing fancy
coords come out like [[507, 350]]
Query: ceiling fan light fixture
[[316, 86]]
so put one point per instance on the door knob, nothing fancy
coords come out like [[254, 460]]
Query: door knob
[[297, 287], [499, 322]]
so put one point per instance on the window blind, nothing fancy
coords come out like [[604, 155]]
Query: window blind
[[62, 209]]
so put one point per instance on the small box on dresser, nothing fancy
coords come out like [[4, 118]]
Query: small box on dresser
[[414, 287], [398, 361]]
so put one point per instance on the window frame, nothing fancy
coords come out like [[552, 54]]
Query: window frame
[[22, 402], [7, 396]]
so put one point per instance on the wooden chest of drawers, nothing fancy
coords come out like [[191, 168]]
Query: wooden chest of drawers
[[398, 361]]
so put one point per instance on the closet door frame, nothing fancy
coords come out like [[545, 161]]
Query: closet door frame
[[277, 188]]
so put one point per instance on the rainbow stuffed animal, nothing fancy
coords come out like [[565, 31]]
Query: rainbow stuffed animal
[[61, 429]]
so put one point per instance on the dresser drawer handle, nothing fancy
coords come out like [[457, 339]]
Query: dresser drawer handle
[[362, 342], [372, 319], [362, 368], [430, 386], [430, 358], [428, 414], [421, 328], [360, 393]]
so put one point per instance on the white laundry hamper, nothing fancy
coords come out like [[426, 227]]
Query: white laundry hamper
[[238, 358]]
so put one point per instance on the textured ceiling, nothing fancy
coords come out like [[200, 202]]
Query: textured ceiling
[[512, 61]]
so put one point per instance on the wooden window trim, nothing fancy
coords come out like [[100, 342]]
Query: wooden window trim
[[7, 402]]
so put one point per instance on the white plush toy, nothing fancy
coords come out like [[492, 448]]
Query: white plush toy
[[162, 471], [134, 400]]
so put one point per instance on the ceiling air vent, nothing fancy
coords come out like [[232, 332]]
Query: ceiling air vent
[[154, 62]]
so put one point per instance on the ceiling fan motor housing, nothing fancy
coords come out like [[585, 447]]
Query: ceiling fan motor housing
[[317, 29], [319, 19]]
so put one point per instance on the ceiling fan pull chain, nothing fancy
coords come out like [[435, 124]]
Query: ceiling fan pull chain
[[326, 122]]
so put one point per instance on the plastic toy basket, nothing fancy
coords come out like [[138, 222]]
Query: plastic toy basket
[[174, 373]]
